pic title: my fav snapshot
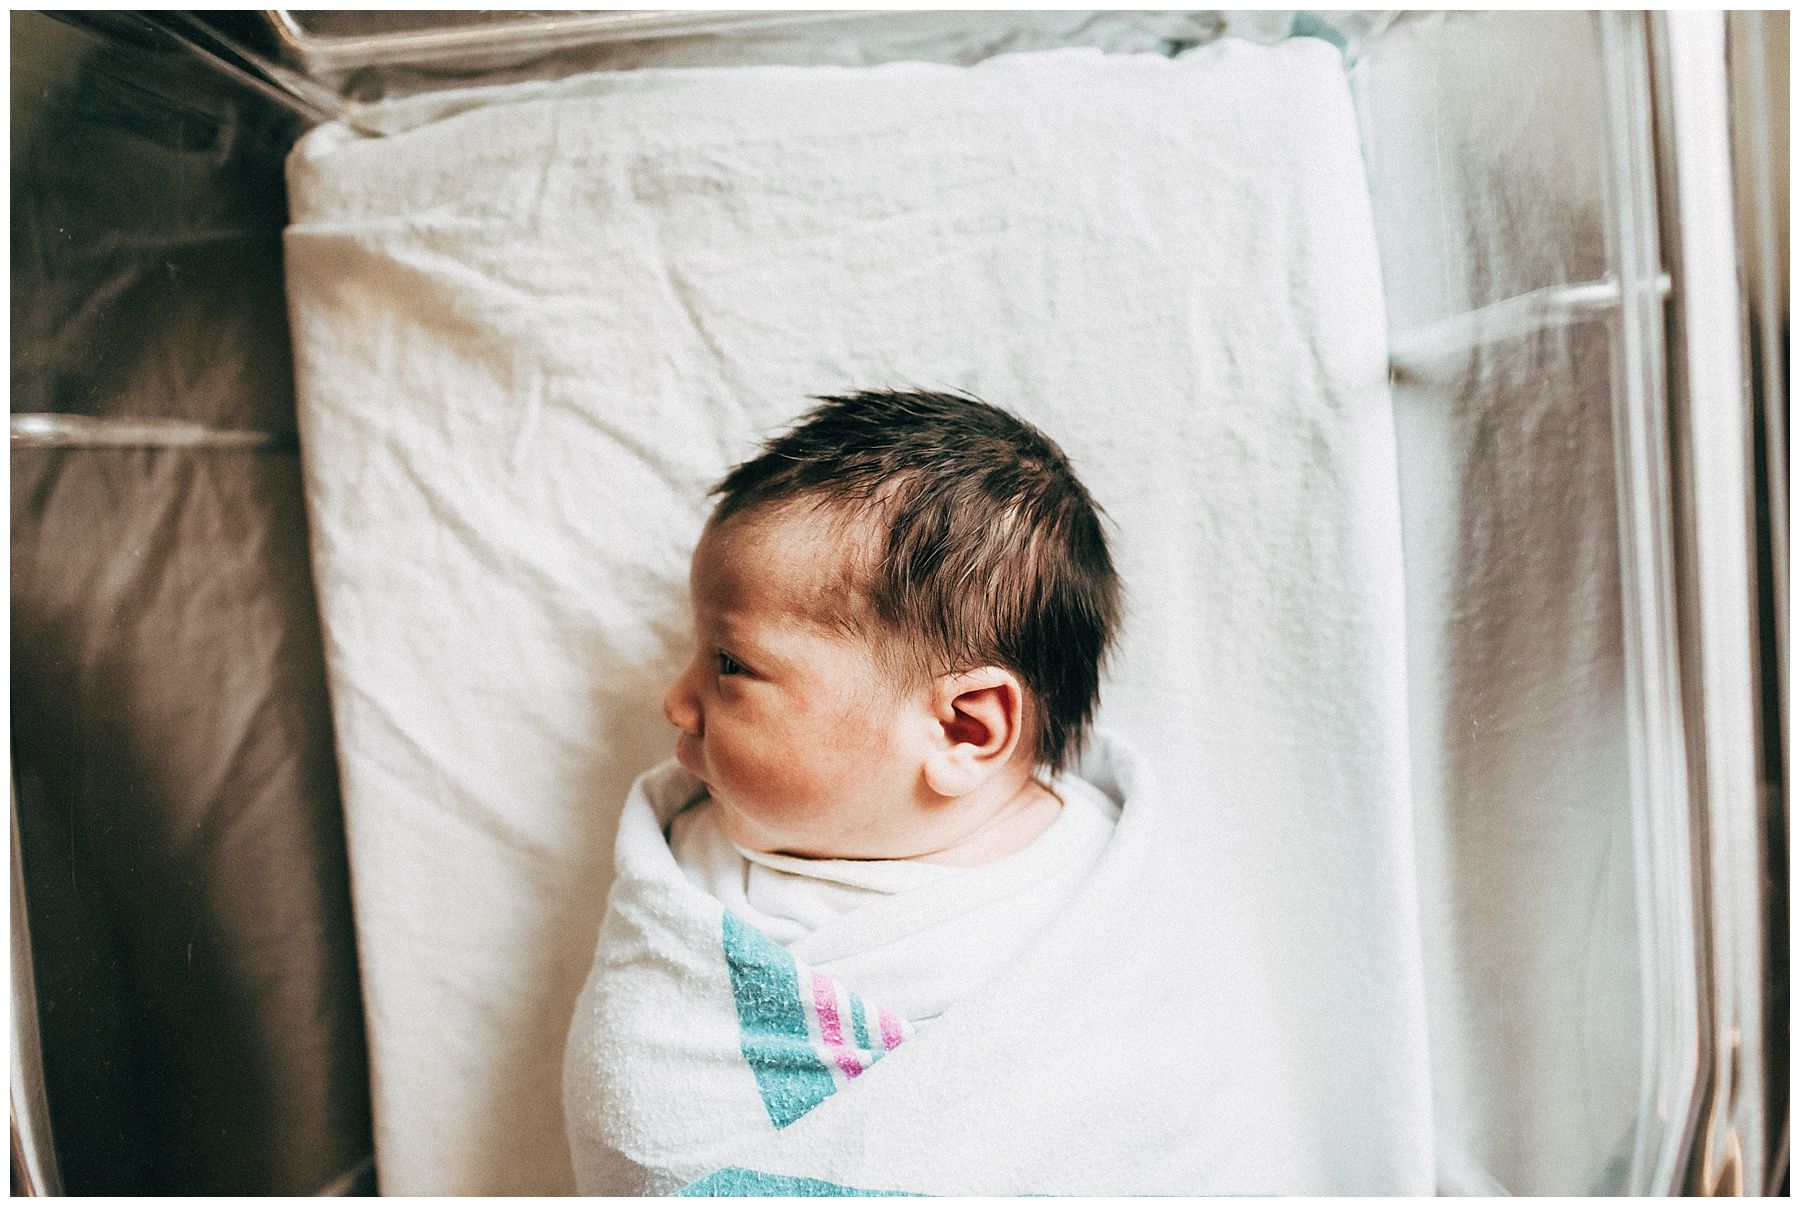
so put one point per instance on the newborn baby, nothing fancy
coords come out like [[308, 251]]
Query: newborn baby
[[900, 610], [872, 837]]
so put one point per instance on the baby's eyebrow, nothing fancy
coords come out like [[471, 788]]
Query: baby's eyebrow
[[742, 636], [759, 642]]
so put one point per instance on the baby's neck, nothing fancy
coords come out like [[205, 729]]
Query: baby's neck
[[1019, 821]]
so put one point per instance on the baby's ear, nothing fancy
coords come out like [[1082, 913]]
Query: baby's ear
[[980, 718]]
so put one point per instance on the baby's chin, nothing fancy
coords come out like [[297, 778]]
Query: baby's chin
[[797, 843], [745, 831], [794, 823], [766, 838]]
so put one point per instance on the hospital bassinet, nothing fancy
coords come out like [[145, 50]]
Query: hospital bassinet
[[1581, 228]]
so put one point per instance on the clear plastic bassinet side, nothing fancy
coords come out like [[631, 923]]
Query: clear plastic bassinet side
[[179, 836], [352, 66], [1599, 868]]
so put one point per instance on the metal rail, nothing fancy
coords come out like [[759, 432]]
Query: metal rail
[[1413, 352], [39, 430]]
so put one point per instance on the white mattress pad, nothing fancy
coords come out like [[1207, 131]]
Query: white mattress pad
[[530, 335]]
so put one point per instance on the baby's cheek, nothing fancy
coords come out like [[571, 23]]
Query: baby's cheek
[[769, 781]]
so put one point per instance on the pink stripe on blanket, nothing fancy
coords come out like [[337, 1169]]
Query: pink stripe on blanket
[[831, 1030], [891, 1034]]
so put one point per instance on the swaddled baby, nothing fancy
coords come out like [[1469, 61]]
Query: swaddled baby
[[900, 611]]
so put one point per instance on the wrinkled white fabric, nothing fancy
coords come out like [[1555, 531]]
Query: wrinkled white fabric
[[529, 336], [917, 937], [1111, 1055]]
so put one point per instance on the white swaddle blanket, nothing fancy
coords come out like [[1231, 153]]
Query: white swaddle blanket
[[529, 336], [706, 1058], [918, 937]]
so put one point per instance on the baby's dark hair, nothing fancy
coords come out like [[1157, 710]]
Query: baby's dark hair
[[994, 555]]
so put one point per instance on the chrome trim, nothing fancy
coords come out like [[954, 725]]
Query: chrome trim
[[1712, 440], [285, 86], [538, 33], [38, 430], [1668, 953], [290, 91], [34, 1153], [1769, 213], [1766, 216]]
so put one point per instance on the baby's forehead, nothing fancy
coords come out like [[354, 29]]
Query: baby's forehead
[[803, 535], [808, 561]]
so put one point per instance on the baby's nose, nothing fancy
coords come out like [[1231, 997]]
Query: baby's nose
[[680, 706]]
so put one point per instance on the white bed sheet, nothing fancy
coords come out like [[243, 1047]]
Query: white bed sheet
[[529, 336]]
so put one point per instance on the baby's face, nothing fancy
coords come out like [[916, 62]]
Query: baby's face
[[801, 738]]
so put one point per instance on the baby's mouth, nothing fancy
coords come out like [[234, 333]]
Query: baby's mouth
[[687, 755]]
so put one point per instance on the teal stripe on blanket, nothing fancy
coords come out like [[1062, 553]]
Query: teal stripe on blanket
[[744, 1183], [772, 1024], [859, 1022]]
